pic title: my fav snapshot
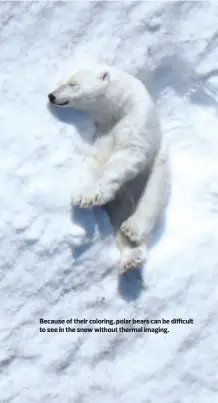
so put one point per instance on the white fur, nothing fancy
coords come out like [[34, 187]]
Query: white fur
[[127, 149]]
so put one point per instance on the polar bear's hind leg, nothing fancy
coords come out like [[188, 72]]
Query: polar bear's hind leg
[[139, 225]]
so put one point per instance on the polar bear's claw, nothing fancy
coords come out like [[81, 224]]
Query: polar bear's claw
[[89, 199]]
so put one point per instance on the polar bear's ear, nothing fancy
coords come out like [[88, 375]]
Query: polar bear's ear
[[104, 76]]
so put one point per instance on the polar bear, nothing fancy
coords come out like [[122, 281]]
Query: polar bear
[[127, 166]]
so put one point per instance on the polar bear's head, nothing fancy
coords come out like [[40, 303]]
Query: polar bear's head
[[82, 89]]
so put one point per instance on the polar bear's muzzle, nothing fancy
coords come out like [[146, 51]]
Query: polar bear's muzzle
[[60, 97]]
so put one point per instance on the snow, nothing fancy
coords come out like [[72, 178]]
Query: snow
[[55, 265]]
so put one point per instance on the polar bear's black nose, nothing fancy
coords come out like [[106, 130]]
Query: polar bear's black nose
[[51, 98]]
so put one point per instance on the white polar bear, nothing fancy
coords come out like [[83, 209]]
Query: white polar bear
[[127, 164]]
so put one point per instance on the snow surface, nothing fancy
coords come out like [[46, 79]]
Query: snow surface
[[58, 266]]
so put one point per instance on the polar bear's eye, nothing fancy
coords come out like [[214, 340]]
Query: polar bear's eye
[[73, 85]]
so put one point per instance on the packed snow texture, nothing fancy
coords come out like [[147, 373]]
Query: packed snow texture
[[55, 265]]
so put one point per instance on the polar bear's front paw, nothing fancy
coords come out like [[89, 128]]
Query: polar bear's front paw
[[132, 232], [85, 198], [105, 192], [90, 198], [95, 195]]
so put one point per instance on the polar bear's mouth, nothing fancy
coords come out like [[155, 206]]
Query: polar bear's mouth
[[63, 103]]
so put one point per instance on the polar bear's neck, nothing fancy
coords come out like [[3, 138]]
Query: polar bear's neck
[[108, 110]]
